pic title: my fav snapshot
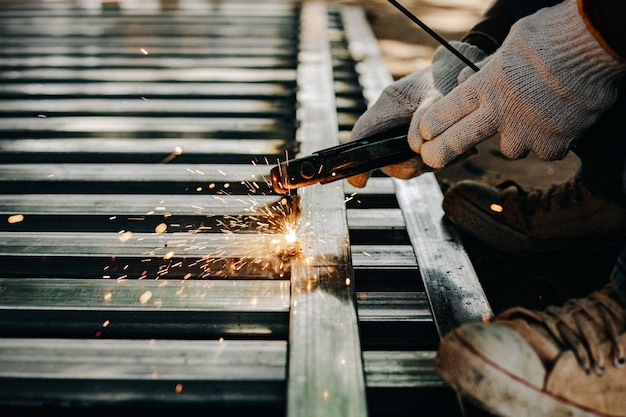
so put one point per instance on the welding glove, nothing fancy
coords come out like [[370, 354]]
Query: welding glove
[[397, 103], [549, 81]]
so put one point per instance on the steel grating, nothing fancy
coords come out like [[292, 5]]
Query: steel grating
[[133, 143]]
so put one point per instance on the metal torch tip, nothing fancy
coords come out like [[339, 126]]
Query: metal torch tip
[[277, 181]]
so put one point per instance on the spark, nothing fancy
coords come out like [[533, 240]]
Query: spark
[[125, 236], [496, 208], [144, 51], [277, 238], [145, 297], [177, 151], [16, 218], [278, 241]]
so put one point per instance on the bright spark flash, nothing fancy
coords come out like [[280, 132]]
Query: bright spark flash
[[277, 241], [260, 240]]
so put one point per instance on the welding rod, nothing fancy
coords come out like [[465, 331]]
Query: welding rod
[[434, 35]]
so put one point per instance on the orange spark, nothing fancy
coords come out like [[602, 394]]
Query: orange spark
[[496, 208], [16, 218]]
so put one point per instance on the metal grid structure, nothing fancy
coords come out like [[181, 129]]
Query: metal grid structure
[[133, 145]]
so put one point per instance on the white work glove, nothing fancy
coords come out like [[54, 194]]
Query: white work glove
[[549, 81], [397, 103]]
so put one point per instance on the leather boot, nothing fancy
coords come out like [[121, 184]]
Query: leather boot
[[565, 218]]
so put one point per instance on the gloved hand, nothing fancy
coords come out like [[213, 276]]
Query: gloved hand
[[398, 102], [549, 81]]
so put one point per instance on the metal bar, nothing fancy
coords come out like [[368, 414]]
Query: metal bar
[[141, 207], [266, 9], [325, 366], [141, 213], [141, 126], [170, 309], [128, 295], [157, 107], [409, 369], [399, 256], [159, 373], [148, 90], [451, 283], [14, 43], [129, 61], [142, 151], [218, 179], [141, 255], [270, 47], [233, 74]]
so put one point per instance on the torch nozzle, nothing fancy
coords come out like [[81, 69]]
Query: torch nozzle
[[342, 161]]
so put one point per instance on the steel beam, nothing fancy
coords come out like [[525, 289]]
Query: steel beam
[[325, 365]]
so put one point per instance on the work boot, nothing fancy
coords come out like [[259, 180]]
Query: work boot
[[567, 217], [565, 361]]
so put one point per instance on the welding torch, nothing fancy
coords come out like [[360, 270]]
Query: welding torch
[[343, 161]]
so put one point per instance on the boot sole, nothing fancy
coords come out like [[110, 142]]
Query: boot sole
[[495, 389], [506, 239]]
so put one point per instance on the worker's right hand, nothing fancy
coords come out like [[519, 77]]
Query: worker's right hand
[[399, 101], [550, 80]]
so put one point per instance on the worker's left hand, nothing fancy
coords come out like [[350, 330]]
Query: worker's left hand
[[399, 101]]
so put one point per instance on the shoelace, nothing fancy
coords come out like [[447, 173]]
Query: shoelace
[[582, 325], [560, 193]]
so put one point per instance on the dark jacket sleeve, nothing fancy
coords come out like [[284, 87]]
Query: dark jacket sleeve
[[605, 20], [492, 28], [523, 8]]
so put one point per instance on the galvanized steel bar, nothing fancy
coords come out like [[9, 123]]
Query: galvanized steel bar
[[325, 365]]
